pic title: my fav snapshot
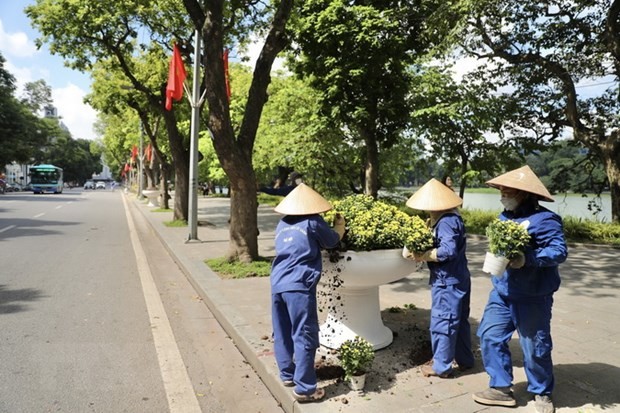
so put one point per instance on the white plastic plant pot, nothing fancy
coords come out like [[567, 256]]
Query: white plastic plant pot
[[357, 383], [495, 264], [349, 292]]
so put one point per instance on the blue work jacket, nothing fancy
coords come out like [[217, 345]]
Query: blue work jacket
[[547, 249], [451, 266], [298, 242]]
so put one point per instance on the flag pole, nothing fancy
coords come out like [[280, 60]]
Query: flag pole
[[193, 155]]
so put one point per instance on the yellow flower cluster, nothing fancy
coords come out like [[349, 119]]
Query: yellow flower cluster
[[375, 225], [507, 238], [356, 356]]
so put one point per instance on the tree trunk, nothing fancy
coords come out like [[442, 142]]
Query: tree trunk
[[371, 168], [611, 156], [235, 153], [243, 220], [180, 157]]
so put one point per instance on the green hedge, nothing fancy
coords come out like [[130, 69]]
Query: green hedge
[[575, 229], [476, 222]]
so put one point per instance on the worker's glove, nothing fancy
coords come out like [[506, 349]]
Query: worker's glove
[[407, 254], [339, 225], [430, 255], [517, 262]]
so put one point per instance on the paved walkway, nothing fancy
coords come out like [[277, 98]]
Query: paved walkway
[[585, 327]]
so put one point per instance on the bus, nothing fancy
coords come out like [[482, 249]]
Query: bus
[[46, 178]]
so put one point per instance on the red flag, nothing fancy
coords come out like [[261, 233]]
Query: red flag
[[226, 75], [176, 77], [149, 153], [134, 153]]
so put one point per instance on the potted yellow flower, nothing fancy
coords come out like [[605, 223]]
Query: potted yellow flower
[[371, 255], [356, 357], [375, 225], [507, 240]]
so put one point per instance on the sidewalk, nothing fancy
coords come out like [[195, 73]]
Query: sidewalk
[[585, 326]]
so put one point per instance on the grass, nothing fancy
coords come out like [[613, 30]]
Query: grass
[[161, 210], [177, 223], [236, 269]]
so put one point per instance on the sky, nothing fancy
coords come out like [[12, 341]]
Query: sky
[[27, 64]]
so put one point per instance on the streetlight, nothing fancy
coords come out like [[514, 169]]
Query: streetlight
[[141, 162]]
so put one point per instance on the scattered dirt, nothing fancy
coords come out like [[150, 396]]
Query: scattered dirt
[[411, 348], [327, 371]]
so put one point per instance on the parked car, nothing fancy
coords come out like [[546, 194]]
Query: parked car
[[100, 185], [13, 187], [89, 185]]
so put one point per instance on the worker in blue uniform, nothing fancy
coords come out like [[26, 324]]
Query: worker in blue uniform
[[449, 280], [295, 273], [283, 189], [522, 297]]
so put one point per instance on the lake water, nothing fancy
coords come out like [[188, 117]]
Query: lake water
[[566, 205]]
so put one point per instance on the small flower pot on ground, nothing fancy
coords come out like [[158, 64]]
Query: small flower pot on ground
[[356, 357]]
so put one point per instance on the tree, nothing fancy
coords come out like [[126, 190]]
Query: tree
[[458, 119], [37, 95], [22, 134], [357, 54], [121, 33], [79, 158], [129, 115], [234, 147], [549, 51]]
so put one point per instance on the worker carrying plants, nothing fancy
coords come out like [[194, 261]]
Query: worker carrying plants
[[522, 297], [449, 279]]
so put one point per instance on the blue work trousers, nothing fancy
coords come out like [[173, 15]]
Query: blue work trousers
[[450, 328], [296, 337], [532, 320]]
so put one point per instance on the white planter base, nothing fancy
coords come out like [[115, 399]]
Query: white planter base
[[152, 197], [350, 293]]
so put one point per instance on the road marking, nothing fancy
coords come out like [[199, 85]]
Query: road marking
[[59, 206], [179, 389], [7, 228], [39, 215]]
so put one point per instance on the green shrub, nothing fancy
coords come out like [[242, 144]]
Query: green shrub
[[580, 230]]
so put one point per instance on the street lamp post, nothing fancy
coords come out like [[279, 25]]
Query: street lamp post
[[141, 162], [193, 157]]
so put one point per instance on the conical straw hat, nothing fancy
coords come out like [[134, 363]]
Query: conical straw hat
[[434, 196], [303, 200], [523, 179]]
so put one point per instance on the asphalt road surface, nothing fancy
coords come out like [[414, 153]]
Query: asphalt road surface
[[96, 317]]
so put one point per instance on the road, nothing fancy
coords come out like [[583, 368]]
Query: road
[[96, 317]]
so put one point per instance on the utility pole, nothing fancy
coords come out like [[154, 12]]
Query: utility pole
[[195, 101], [141, 164]]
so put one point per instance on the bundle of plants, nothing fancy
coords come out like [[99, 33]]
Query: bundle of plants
[[507, 238]]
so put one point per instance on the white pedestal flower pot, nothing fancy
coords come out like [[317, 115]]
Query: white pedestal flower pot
[[495, 264], [152, 196], [349, 291]]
